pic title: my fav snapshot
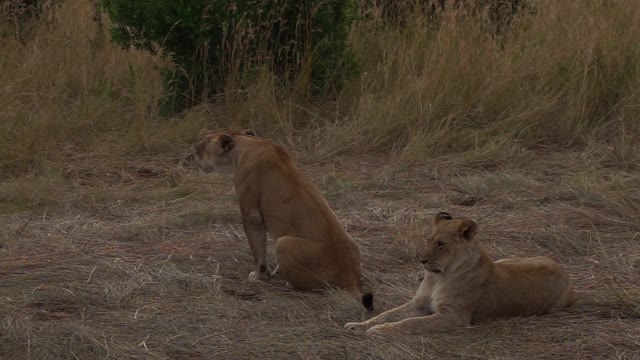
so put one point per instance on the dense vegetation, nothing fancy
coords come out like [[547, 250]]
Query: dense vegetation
[[564, 75], [216, 45]]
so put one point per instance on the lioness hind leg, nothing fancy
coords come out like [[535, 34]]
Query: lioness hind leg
[[300, 261], [567, 298]]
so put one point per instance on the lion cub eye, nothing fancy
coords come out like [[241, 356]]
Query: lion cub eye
[[439, 245]]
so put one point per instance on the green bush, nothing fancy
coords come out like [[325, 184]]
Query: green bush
[[216, 43]]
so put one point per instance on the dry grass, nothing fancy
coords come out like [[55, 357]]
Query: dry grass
[[565, 75], [153, 263], [112, 247], [68, 89]]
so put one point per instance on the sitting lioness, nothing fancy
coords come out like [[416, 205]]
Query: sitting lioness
[[312, 248], [464, 285]]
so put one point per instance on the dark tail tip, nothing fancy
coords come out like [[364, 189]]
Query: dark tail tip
[[367, 301]]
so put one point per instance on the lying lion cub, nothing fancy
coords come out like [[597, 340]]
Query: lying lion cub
[[463, 285], [312, 248]]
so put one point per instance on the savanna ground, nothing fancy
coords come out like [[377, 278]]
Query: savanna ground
[[112, 245]]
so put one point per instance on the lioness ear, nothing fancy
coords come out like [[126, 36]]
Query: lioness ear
[[226, 142], [249, 132], [468, 229], [440, 217]]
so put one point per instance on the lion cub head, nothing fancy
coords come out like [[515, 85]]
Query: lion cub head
[[450, 245], [216, 151]]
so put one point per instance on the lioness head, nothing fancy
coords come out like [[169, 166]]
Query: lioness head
[[215, 151], [450, 244]]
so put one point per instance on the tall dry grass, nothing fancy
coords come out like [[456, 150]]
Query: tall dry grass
[[66, 89], [567, 74]]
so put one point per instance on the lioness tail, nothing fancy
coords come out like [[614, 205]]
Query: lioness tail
[[367, 301]]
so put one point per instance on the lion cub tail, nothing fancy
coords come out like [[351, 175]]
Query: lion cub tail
[[367, 301]]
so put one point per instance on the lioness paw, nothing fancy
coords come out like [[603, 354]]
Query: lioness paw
[[355, 326], [253, 276], [379, 330]]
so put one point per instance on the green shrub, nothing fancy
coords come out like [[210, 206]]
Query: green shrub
[[215, 44]]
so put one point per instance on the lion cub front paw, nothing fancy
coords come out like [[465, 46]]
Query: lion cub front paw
[[355, 326]]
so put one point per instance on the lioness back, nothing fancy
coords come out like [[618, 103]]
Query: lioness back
[[528, 286], [293, 204]]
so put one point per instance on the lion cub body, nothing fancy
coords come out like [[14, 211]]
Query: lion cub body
[[463, 285], [312, 248]]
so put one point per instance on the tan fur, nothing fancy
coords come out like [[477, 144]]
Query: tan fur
[[313, 250], [463, 285]]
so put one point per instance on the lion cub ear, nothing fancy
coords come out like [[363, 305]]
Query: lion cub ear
[[249, 132], [225, 142], [441, 216], [468, 229]]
